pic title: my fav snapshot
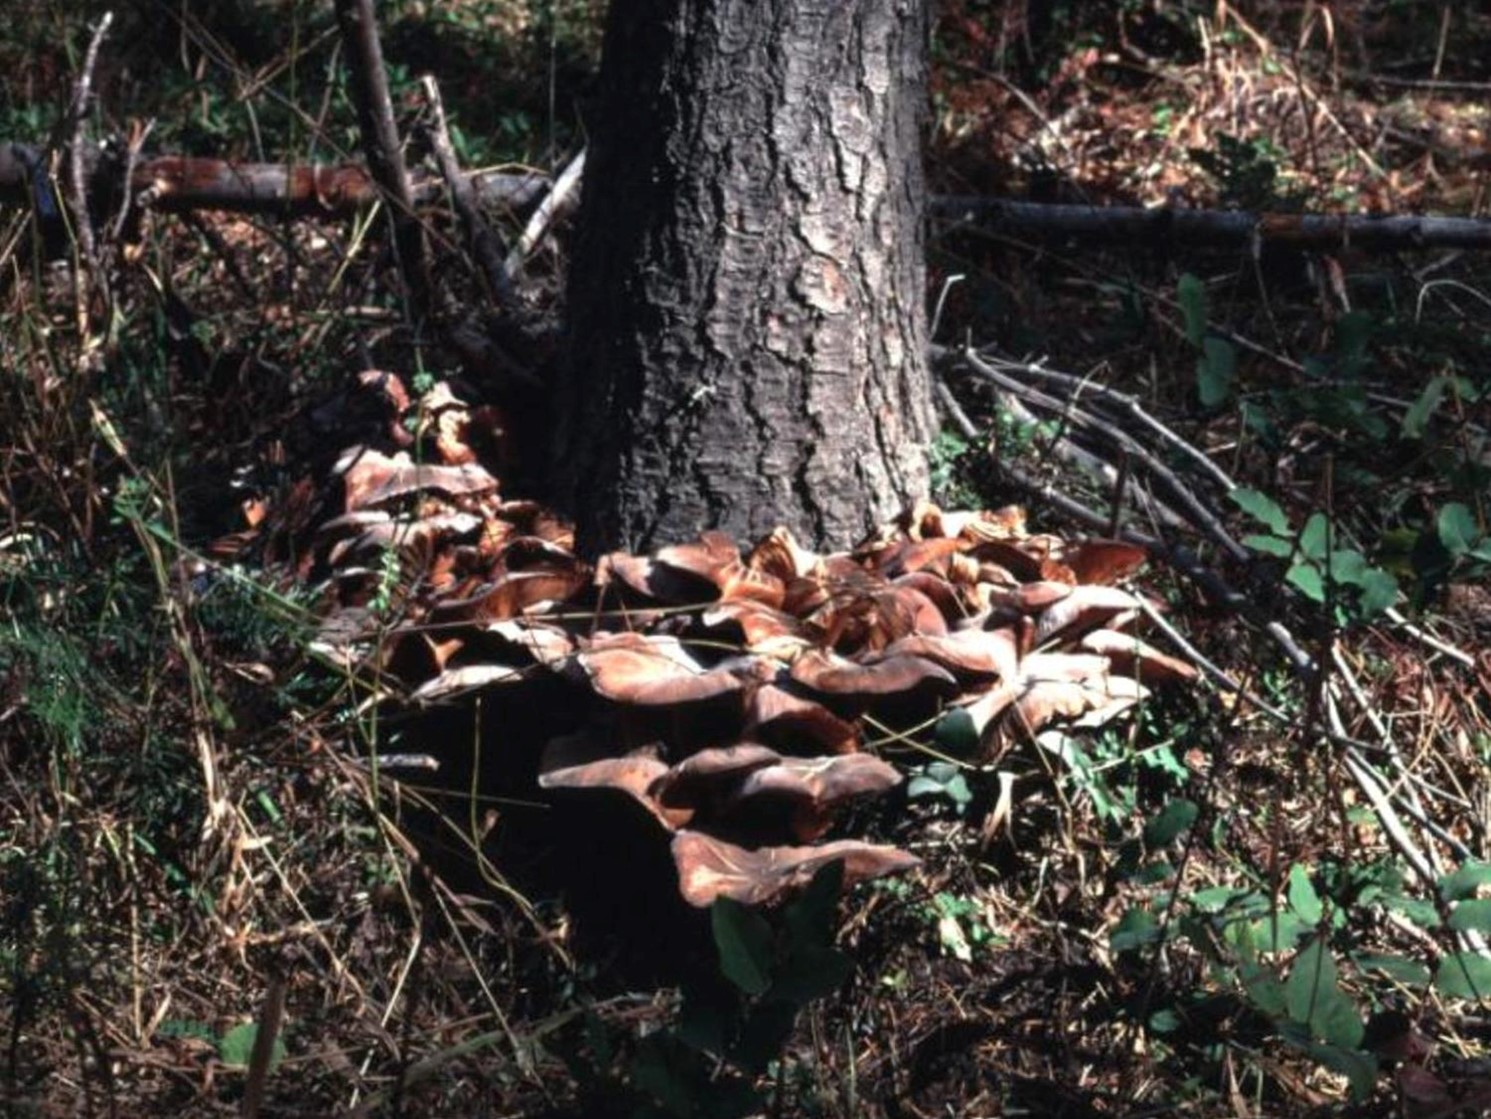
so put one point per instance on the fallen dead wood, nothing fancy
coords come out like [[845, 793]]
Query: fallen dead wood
[[1221, 228], [179, 183]]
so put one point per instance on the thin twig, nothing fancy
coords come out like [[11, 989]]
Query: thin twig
[[543, 217], [78, 184], [1202, 517], [131, 162], [486, 246]]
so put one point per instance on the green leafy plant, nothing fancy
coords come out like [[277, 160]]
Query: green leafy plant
[[1317, 568], [1216, 357], [1247, 174], [773, 967]]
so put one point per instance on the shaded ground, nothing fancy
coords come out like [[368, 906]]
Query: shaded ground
[[185, 829]]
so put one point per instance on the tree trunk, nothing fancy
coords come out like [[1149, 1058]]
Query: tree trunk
[[746, 304]]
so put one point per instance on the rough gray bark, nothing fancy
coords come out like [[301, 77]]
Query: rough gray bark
[[746, 302]]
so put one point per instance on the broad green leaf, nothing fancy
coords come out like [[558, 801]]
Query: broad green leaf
[[1411, 973], [743, 939], [1306, 578], [1347, 565], [1262, 508], [1458, 531], [1280, 546], [1190, 293], [668, 1071], [1358, 1067], [1472, 913], [810, 918], [1302, 896], [1216, 369], [1416, 419], [1173, 819], [1279, 932], [1213, 899], [1312, 977], [941, 779], [236, 1047], [956, 733], [1264, 989], [1164, 1021], [1336, 1020], [706, 1019], [1462, 883], [1314, 538], [1152, 874], [1422, 913], [1464, 975], [1135, 929], [1379, 591]]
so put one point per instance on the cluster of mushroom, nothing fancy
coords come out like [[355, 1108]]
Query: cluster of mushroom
[[731, 692]]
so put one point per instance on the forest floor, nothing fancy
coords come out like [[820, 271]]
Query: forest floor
[[243, 870]]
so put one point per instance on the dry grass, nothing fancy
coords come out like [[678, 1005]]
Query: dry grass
[[189, 830]]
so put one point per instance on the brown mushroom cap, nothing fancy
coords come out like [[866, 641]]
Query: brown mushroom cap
[[710, 868], [830, 674], [372, 478], [657, 671], [1133, 657], [1087, 607]]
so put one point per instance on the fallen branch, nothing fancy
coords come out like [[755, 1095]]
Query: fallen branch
[[1217, 228], [336, 190], [176, 184]]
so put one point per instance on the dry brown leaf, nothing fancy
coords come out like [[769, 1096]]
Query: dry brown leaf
[[1014, 558], [388, 386], [647, 577], [709, 869], [916, 555], [708, 558]]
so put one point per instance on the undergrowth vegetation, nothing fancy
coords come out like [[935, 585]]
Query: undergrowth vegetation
[[232, 877]]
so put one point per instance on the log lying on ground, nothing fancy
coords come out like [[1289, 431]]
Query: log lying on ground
[[176, 183], [1221, 228]]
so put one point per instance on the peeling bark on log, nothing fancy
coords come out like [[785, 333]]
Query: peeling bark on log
[[180, 183]]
